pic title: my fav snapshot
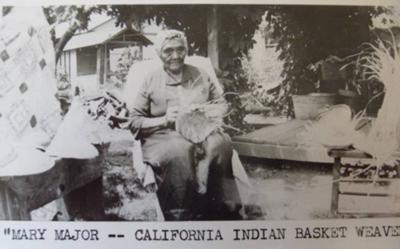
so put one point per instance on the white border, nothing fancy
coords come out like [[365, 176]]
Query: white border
[[285, 2]]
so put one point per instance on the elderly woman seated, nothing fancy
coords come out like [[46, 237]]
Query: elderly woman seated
[[183, 194]]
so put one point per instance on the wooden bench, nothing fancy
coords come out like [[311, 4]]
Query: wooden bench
[[78, 181], [282, 142], [285, 142]]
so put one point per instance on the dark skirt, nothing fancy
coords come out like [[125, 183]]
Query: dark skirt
[[174, 162]]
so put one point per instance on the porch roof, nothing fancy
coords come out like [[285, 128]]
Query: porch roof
[[99, 35]]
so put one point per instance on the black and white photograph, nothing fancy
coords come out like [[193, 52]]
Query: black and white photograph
[[199, 112]]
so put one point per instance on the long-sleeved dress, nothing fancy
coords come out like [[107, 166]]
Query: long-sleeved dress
[[172, 156]]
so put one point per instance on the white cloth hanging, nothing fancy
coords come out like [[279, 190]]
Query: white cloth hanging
[[72, 139], [29, 111]]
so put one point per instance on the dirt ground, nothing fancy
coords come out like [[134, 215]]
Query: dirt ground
[[280, 190], [290, 190]]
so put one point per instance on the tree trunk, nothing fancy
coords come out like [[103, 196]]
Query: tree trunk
[[64, 39], [212, 30]]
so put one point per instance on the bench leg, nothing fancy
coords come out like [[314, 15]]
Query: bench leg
[[86, 202], [11, 207], [335, 186]]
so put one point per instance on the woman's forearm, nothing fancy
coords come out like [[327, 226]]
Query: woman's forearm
[[158, 122], [146, 126]]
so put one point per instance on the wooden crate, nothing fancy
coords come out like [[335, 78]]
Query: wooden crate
[[359, 197], [363, 196]]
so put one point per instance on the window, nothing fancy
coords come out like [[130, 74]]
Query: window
[[86, 60]]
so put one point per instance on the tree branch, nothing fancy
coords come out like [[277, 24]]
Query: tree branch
[[64, 39]]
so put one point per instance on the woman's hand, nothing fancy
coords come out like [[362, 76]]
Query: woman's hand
[[172, 114], [150, 125]]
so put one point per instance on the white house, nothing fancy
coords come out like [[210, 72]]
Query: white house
[[89, 58]]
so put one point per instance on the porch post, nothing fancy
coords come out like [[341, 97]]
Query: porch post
[[100, 64]]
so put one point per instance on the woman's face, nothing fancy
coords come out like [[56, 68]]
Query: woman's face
[[173, 55]]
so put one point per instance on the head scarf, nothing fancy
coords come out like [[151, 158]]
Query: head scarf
[[166, 35]]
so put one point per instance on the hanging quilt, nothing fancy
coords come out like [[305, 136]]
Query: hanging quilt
[[29, 111]]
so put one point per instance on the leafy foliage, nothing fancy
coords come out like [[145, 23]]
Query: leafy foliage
[[234, 84], [307, 34], [262, 69], [125, 61], [238, 25]]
